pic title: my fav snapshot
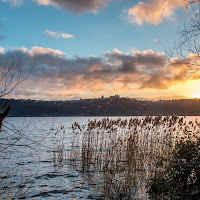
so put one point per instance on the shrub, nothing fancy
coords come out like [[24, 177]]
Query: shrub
[[179, 177]]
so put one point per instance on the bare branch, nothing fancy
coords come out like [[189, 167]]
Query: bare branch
[[186, 51]]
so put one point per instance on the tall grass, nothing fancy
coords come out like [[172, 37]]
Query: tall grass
[[58, 154], [127, 153]]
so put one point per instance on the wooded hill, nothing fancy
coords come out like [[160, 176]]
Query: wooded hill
[[103, 107]]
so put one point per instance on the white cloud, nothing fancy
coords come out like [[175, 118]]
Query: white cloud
[[14, 2], [156, 41], [42, 51], [117, 51], [58, 35]]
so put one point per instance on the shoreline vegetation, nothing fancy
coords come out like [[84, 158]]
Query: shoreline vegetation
[[140, 158], [112, 106]]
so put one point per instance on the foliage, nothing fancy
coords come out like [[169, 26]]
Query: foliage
[[179, 177]]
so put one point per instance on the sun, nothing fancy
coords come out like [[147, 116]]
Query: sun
[[190, 89], [197, 95]]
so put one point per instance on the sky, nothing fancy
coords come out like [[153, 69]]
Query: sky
[[89, 48]]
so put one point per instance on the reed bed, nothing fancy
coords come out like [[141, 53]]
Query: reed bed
[[127, 153], [58, 154]]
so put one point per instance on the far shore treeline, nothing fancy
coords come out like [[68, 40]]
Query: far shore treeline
[[115, 106]]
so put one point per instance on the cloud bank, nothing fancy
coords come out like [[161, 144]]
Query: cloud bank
[[154, 11], [149, 11], [55, 75]]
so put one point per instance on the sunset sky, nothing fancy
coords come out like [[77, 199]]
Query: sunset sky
[[89, 48]]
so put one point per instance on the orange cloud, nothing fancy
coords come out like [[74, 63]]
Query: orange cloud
[[154, 11], [1, 50]]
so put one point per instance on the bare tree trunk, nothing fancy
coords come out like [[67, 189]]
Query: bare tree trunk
[[3, 116]]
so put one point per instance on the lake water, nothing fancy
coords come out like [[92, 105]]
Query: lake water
[[29, 152]]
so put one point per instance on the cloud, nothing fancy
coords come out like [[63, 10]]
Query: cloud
[[39, 51], [58, 35], [76, 6], [154, 11], [55, 74], [157, 41], [14, 2], [1, 50], [72, 6]]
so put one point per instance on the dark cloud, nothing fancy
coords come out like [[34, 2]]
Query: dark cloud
[[77, 6], [146, 59], [73, 6]]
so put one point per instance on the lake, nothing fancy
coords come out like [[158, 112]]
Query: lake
[[44, 158]]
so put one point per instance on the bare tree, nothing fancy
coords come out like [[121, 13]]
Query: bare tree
[[186, 51], [4, 114], [11, 75], [12, 181]]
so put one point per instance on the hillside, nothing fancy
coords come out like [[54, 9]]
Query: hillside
[[103, 107]]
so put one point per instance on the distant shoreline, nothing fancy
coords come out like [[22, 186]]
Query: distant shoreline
[[103, 107], [106, 116]]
